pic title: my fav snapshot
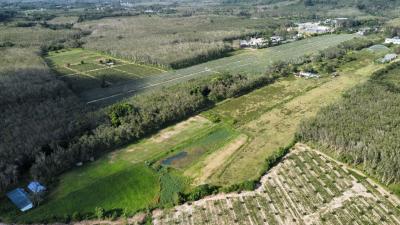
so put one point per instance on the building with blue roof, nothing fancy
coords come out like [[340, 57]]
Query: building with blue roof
[[21, 199], [36, 188]]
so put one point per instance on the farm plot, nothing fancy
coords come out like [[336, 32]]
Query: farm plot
[[307, 187], [252, 62], [84, 70], [128, 178], [273, 123]]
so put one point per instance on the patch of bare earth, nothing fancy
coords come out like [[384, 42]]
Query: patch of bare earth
[[217, 159], [170, 132]]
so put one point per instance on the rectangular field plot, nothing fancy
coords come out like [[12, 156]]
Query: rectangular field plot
[[84, 70], [112, 75], [192, 151], [139, 70], [86, 67], [307, 187], [79, 83]]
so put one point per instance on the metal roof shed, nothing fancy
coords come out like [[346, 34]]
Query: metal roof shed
[[21, 199], [36, 187]]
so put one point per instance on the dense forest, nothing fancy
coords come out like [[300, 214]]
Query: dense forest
[[363, 129], [37, 112]]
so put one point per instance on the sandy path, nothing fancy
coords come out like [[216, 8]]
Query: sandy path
[[218, 158]]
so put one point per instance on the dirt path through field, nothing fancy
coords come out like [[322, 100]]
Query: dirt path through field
[[276, 128], [217, 159]]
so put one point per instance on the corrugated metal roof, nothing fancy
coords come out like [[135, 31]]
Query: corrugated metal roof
[[21, 199]]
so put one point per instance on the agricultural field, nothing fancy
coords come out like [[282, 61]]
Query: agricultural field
[[306, 187], [252, 62], [197, 151], [84, 70], [270, 117], [148, 173]]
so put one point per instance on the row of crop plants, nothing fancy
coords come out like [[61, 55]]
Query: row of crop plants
[[305, 185]]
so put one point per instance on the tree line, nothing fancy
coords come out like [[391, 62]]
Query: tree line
[[362, 129], [37, 113]]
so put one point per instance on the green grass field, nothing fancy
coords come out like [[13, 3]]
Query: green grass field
[[112, 186], [82, 69], [123, 181]]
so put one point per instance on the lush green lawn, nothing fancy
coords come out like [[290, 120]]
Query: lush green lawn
[[119, 185]]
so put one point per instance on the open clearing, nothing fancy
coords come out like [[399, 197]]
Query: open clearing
[[307, 188], [246, 62], [84, 69]]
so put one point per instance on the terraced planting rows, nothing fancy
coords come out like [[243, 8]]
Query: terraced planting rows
[[307, 187]]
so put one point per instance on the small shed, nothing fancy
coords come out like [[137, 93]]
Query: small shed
[[36, 188], [20, 199]]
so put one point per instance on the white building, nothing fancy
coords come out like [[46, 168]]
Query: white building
[[253, 42], [395, 40], [276, 39], [313, 28], [307, 75], [388, 58]]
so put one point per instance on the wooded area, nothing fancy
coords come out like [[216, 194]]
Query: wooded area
[[363, 128], [37, 113]]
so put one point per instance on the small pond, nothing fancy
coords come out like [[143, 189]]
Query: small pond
[[168, 161]]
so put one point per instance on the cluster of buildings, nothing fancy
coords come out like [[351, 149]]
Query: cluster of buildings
[[253, 42], [24, 200], [307, 75], [260, 42], [311, 28], [395, 40]]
